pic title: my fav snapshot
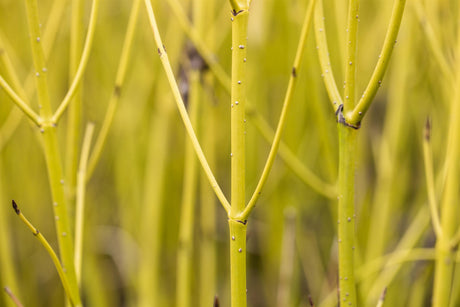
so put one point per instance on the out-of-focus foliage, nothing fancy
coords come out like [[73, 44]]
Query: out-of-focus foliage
[[292, 233]]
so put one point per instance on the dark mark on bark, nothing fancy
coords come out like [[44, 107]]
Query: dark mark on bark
[[15, 207], [117, 90], [234, 13], [341, 118]]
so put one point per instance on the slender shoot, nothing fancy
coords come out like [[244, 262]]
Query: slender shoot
[[282, 120], [352, 42], [324, 60], [81, 66], [182, 110], [375, 82], [50, 251], [20, 102], [119, 82], [80, 206]]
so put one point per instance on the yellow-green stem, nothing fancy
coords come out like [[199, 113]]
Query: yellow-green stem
[[187, 217], [237, 263], [430, 185], [80, 200], [52, 155], [151, 225], [208, 214], [75, 301], [14, 300], [260, 123], [181, 107], [389, 271], [382, 298], [238, 168], [292, 161], [350, 71], [8, 275], [20, 102], [240, 5], [346, 214], [80, 70], [237, 111], [281, 123], [74, 115], [324, 59], [365, 101], [445, 253], [203, 10], [119, 81], [49, 35]]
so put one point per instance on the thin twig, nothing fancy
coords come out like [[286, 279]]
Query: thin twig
[[81, 66], [287, 99], [50, 251], [20, 103], [350, 67], [119, 81], [264, 128], [183, 112], [80, 199], [324, 60]]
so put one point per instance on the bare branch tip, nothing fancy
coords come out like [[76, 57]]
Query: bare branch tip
[[216, 301], [16, 208], [310, 300], [427, 129], [384, 293]]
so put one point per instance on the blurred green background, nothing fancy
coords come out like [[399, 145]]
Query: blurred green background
[[134, 195]]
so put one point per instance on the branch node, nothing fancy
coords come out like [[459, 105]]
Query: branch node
[[234, 12], [341, 118]]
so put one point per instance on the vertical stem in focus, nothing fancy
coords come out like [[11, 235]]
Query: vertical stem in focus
[[347, 156], [350, 71], [346, 214], [238, 101], [238, 263], [52, 155]]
